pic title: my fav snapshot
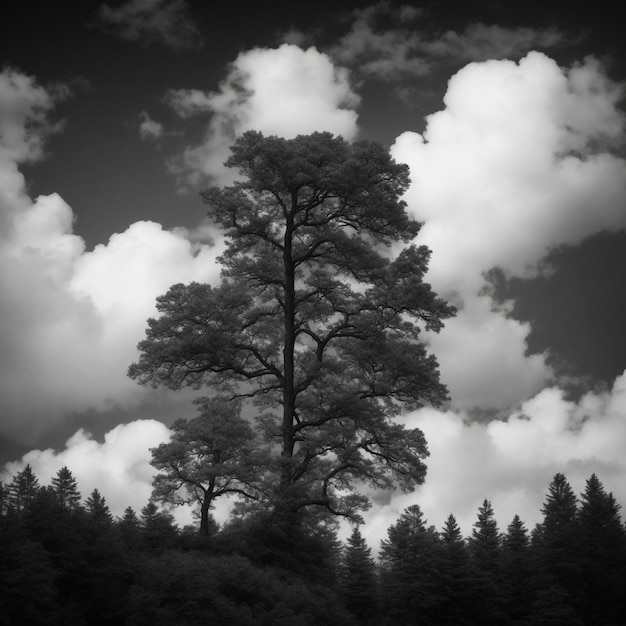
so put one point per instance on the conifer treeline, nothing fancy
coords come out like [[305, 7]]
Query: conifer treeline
[[64, 562]]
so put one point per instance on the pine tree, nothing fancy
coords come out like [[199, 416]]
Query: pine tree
[[22, 491], [603, 555], [556, 541], [359, 584], [456, 579], [411, 570], [4, 500], [517, 571], [157, 527], [484, 547], [98, 510], [66, 489]]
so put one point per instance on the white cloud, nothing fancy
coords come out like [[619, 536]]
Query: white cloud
[[516, 164], [482, 358], [512, 462], [149, 129], [119, 467], [284, 91], [70, 319], [166, 22]]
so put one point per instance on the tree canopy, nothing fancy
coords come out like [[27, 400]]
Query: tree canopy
[[317, 320], [209, 456]]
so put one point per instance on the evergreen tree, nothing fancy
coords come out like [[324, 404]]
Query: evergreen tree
[[129, 529], [22, 491], [456, 588], [517, 571], [359, 583], [4, 500], [411, 571], [484, 545], [98, 511], [130, 520], [485, 540], [556, 541], [66, 489], [158, 527], [603, 555]]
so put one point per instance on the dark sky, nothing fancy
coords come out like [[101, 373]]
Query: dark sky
[[133, 106]]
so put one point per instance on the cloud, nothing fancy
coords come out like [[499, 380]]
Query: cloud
[[149, 129], [480, 42], [165, 22], [24, 116], [512, 462], [518, 163], [482, 358], [119, 467], [284, 91], [70, 319], [409, 47], [383, 53]]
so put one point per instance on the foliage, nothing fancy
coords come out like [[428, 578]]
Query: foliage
[[209, 456], [61, 566], [66, 489], [411, 558], [359, 579], [315, 321], [22, 491]]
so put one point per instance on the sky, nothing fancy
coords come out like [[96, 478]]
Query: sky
[[113, 117]]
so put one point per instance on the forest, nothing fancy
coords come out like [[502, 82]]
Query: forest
[[68, 561]]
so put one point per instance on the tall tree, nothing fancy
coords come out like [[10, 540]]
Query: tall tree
[[517, 571], [484, 545], [315, 320], [603, 555], [556, 540], [66, 489], [22, 490], [207, 457], [359, 582], [456, 588]]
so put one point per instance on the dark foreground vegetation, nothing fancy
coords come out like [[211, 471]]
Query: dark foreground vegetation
[[65, 561]]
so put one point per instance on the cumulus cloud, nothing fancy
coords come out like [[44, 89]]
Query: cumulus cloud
[[511, 462], [119, 466], [165, 22], [70, 318], [390, 43], [284, 91], [518, 163]]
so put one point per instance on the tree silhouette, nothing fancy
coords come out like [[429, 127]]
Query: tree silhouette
[[603, 555], [207, 457], [65, 489], [359, 584], [411, 570], [484, 545], [22, 490], [315, 320]]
